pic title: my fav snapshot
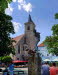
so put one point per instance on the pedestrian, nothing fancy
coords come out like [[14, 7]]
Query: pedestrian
[[53, 69], [0, 66], [5, 72], [45, 69], [11, 68]]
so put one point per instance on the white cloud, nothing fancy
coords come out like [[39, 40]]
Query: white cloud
[[9, 10], [25, 6], [19, 7], [14, 0], [16, 26], [21, 1]]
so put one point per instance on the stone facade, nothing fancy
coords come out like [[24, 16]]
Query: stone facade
[[26, 42]]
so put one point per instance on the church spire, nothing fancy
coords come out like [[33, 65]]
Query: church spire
[[29, 18]]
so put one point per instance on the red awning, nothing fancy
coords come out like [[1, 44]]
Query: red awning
[[18, 61]]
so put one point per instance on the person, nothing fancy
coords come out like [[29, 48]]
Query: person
[[0, 66], [5, 72], [45, 69], [11, 68], [53, 69]]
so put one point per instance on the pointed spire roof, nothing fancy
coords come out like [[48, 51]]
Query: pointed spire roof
[[29, 18]]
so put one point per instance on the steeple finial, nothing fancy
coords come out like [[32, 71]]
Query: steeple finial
[[29, 19]]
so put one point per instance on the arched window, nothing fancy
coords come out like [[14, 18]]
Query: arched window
[[23, 48], [28, 28], [25, 40]]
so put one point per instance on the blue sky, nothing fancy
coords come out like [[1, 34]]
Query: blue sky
[[42, 13]]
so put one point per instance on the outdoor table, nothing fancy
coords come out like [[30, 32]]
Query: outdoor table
[[1, 73], [18, 71]]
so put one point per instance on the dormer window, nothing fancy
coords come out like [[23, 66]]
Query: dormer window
[[28, 28]]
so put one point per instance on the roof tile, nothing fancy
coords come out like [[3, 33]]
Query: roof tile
[[18, 38], [41, 45]]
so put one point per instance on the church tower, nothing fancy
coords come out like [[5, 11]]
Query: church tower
[[29, 33], [32, 39], [29, 26]]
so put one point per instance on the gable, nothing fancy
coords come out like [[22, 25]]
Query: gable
[[41, 45], [17, 39]]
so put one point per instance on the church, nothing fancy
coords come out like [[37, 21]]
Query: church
[[26, 41]]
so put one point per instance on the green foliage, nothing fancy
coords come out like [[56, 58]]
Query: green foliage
[[4, 4], [52, 41], [52, 44], [56, 16], [55, 29], [6, 59], [6, 27]]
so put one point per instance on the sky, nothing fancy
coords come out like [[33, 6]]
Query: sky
[[41, 11]]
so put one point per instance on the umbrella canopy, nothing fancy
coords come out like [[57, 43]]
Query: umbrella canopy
[[47, 60], [56, 59], [18, 61]]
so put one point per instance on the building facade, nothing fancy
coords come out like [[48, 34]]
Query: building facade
[[25, 41], [44, 53]]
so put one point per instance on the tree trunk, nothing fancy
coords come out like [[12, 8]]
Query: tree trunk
[[34, 64]]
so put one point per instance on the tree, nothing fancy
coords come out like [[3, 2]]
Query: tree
[[6, 27], [56, 16], [4, 4], [52, 41], [6, 59]]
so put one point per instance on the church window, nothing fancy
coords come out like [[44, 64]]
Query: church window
[[23, 48], [23, 57], [28, 28], [17, 58], [19, 49], [24, 40]]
